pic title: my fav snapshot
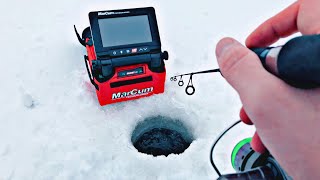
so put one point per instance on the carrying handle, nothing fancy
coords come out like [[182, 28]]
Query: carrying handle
[[89, 74]]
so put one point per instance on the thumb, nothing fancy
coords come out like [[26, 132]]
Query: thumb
[[242, 68]]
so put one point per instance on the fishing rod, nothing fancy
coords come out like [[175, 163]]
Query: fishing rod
[[190, 89], [298, 64]]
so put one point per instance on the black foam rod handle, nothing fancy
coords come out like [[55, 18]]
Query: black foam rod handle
[[299, 62], [261, 173]]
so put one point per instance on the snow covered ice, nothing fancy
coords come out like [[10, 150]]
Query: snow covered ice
[[67, 135], [28, 101]]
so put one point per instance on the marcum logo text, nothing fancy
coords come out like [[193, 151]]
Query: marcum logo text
[[132, 93], [112, 13]]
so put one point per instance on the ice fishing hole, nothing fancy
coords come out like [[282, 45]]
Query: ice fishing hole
[[161, 136]]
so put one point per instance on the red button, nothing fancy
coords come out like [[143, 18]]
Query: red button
[[135, 50]]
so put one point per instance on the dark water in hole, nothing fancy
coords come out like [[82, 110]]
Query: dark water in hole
[[161, 136]]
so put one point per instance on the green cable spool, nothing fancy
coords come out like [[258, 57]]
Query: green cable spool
[[236, 150]]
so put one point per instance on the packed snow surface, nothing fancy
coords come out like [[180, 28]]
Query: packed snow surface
[[51, 125]]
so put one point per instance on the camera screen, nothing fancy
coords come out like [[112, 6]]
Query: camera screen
[[125, 30]]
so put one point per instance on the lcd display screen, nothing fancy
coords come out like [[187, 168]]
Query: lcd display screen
[[125, 30]]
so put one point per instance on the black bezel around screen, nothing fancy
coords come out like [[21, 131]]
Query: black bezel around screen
[[94, 23]]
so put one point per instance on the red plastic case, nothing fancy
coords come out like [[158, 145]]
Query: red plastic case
[[117, 90]]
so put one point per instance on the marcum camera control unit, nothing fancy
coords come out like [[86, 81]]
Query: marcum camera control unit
[[124, 58]]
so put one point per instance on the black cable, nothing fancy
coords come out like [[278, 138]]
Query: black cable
[[79, 38], [215, 143]]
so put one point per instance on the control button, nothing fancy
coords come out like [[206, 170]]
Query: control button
[[114, 53], [134, 50], [143, 49], [121, 52], [128, 51], [165, 55]]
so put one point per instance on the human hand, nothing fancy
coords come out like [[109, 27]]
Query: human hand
[[286, 118]]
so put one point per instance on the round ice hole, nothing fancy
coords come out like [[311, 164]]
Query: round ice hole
[[161, 136]]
